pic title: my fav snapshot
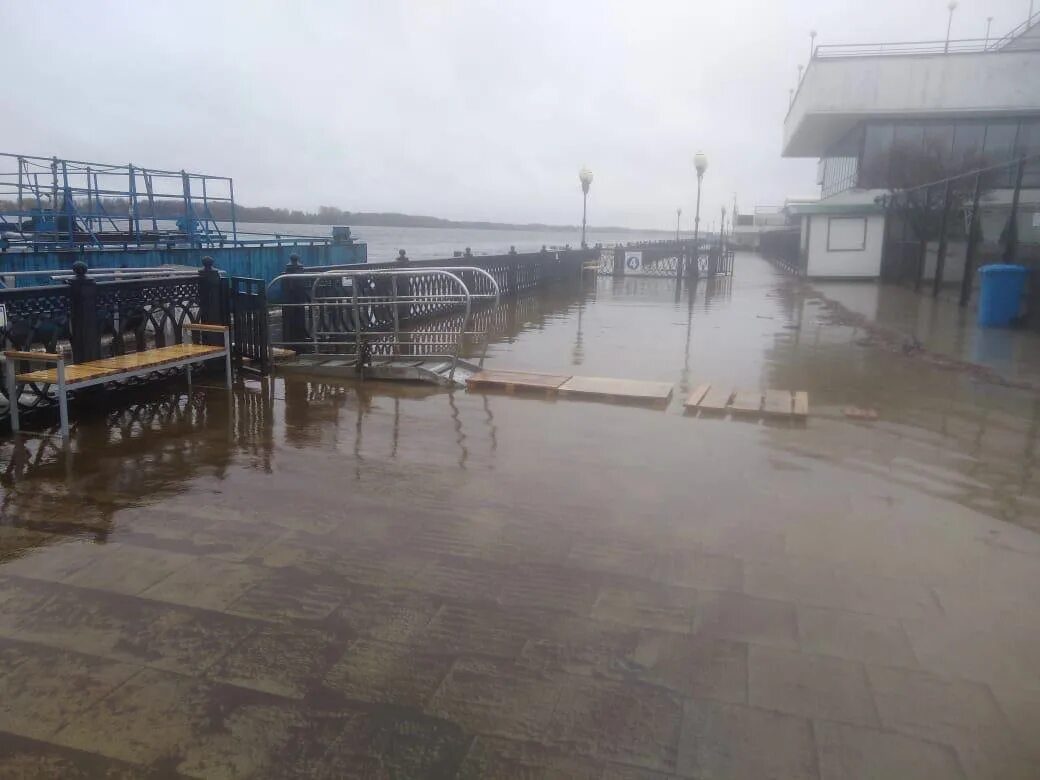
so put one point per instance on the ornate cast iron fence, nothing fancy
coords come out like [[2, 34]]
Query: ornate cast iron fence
[[671, 259], [89, 320]]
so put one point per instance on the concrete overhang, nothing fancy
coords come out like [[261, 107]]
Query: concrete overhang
[[837, 92]]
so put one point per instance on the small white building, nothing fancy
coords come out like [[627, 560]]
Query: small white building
[[865, 109]]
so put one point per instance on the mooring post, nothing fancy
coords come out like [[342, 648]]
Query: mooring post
[[212, 305], [83, 315], [294, 313]]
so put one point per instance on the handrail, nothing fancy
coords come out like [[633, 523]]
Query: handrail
[[1016, 31], [962, 46], [461, 295]]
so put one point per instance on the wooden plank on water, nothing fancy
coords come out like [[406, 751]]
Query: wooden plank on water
[[511, 381], [801, 404], [715, 400], [747, 401], [778, 403], [624, 389], [694, 398]]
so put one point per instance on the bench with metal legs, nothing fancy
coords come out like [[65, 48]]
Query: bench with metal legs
[[65, 376]]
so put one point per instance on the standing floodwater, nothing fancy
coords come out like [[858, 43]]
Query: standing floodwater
[[310, 578]]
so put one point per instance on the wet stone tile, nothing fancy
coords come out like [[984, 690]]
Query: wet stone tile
[[855, 636], [646, 605], [459, 578], [478, 629], [176, 639], [209, 583], [45, 688], [392, 674], [746, 619], [61, 616], [697, 666], [17, 542], [27, 759], [502, 758], [496, 697], [399, 744], [856, 753], [285, 660], [385, 614], [572, 645], [200, 729], [696, 569], [744, 743], [54, 562], [557, 588], [624, 723], [288, 595], [931, 707], [128, 569], [815, 686]]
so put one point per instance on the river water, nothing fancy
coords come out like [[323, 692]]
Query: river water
[[429, 243], [306, 577]]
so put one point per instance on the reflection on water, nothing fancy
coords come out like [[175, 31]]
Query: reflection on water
[[308, 577]]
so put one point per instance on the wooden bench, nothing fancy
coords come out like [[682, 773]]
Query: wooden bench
[[65, 376]]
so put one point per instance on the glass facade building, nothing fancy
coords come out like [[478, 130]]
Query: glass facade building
[[903, 153]]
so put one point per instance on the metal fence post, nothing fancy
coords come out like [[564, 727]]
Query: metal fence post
[[294, 317], [973, 243], [212, 302], [940, 257], [922, 254], [83, 316], [1011, 244]]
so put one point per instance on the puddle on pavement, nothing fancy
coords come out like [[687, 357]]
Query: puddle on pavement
[[322, 578]]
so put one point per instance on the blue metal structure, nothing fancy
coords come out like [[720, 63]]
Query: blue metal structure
[[48, 202], [55, 211]]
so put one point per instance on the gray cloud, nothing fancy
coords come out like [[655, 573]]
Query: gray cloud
[[467, 110]]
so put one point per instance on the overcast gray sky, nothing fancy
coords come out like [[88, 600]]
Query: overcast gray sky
[[459, 109]]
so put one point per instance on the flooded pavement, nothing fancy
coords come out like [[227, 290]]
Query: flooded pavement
[[312, 579]]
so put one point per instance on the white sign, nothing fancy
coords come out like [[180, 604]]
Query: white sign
[[3, 315], [1036, 219], [633, 261]]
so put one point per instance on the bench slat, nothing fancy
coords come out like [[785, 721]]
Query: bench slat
[[207, 328], [15, 354], [73, 374], [154, 357]]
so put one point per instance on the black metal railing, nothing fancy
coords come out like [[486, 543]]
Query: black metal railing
[[250, 339], [86, 319], [941, 232]]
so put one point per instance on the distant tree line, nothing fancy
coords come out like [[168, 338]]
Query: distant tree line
[[118, 208]]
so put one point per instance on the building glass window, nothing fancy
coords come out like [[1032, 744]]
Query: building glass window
[[999, 147], [877, 149], [1028, 145], [967, 145], [938, 142]]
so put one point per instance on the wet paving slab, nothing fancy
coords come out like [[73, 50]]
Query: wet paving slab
[[306, 578]]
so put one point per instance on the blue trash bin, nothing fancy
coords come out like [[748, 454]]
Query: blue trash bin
[[1000, 294]]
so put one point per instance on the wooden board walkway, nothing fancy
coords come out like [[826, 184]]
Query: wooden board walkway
[[516, 381], [617, 389], [777, 404]]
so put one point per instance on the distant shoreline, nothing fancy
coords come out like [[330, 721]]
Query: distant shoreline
[[368, 219]]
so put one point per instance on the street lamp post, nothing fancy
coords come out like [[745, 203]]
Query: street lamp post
[[700, 164], [949, 23], [585, 177], [678, 214], [989, 23], [812, 43]]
